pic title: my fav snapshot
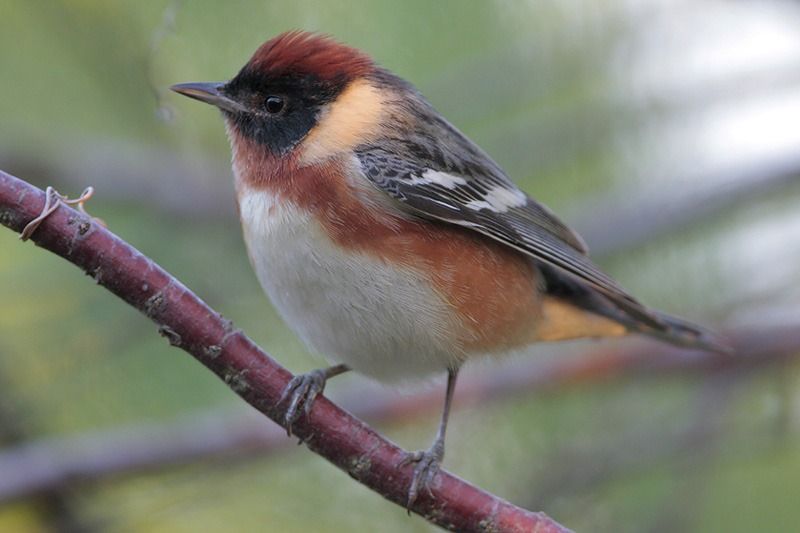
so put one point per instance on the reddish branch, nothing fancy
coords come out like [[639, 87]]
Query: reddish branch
[[36, 467], [187, 322]]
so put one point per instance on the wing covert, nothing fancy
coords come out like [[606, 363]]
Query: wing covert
[[489, 203]]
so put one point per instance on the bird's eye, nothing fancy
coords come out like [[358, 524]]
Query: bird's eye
[[274, 104]]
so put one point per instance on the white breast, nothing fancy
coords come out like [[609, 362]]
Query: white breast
[[382, 321]]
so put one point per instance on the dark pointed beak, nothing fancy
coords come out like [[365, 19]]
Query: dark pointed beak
[[210, 93]]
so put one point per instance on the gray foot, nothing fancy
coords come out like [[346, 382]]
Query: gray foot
[[302, 390], [427, 466]]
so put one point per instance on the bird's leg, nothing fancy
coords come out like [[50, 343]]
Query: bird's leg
[[304, 388], [428, 461]]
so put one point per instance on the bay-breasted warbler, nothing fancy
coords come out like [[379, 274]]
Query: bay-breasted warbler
[[391, 243]]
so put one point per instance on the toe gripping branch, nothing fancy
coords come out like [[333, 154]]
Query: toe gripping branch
[[428, 464], [303, 389], [52, 200]]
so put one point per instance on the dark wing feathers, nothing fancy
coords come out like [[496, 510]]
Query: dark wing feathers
[[491, 204], [392, 172], [435, 172]]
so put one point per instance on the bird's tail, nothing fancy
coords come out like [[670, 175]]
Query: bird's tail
[[625, 310], [680, 332]]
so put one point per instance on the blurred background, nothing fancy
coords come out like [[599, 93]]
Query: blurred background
[[665, 131]]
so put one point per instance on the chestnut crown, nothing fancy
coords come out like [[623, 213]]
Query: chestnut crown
[[278, 96]]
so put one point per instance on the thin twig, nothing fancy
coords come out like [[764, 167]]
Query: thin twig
[[608, 225], [197, 329]]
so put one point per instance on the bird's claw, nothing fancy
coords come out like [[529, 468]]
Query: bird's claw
[[302, 389], [427, 466]]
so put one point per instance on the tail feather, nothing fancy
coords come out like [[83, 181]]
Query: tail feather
[[680, 332], [634, 316]]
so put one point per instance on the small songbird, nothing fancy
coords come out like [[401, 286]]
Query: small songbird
[[391, 243]]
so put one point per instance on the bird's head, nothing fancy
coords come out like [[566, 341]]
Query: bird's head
[[300, 92]]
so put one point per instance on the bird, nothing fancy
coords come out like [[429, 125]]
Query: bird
[[392, 244]]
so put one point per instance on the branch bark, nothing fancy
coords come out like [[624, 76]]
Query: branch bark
[[188, 323], [32, 468]]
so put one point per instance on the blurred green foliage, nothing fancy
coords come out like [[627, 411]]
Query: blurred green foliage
[[532, 83]]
